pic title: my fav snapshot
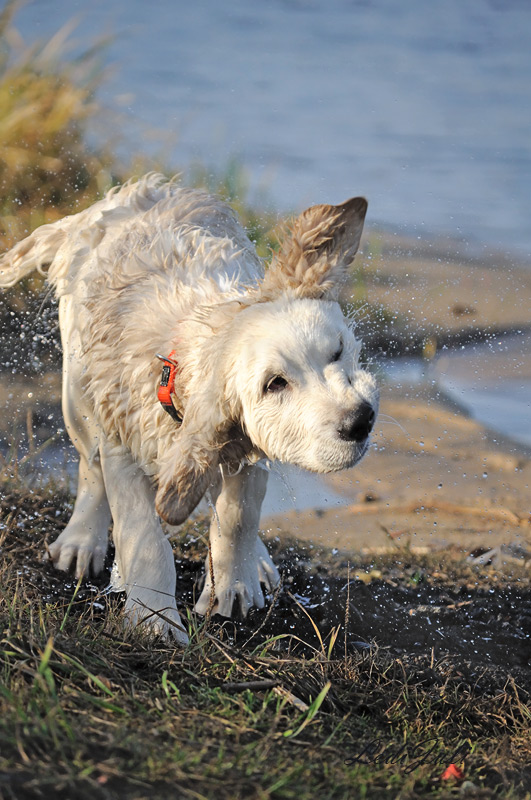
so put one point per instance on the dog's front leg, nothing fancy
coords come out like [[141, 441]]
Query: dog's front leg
[[145, 567], [84, 540], [240, 561]]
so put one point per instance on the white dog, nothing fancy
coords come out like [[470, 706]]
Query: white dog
[[257, 365]]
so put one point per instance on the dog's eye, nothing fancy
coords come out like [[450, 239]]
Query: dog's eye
[[339, 352], [276, 384]]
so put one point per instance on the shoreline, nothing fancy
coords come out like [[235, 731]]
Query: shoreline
[[436, 480], [489, 381], [418, 300]]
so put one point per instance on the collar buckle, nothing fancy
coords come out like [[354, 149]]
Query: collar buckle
[[166, 390]]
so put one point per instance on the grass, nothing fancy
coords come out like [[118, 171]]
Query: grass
[[88, 710]]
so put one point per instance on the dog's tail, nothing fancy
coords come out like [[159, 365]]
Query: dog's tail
[[35, 252]]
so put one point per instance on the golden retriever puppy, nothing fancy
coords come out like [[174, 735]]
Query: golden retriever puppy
[[258, 365]]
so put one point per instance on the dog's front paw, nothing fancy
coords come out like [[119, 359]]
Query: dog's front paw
[[84, 548], [145, 610], [238, 577]]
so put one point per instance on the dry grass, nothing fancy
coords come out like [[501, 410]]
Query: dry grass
[[46, 103]]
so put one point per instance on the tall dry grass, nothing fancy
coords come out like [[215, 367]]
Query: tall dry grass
[[47, 169]]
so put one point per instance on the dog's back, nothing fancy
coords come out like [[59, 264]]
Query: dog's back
[[138, 220]]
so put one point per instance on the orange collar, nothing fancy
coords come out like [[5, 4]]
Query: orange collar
[[166, 390]]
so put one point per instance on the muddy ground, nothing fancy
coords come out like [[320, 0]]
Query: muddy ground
[[422, 608]]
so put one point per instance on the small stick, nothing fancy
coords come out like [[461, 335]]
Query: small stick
[[253, 686]]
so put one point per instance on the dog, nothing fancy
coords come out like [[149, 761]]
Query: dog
[[258, 365]]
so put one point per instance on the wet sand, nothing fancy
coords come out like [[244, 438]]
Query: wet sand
[[431, 289]]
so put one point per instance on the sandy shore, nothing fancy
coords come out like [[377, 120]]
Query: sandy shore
[[435, 478]]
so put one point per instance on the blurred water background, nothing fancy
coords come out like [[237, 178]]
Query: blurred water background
[[423, 107]]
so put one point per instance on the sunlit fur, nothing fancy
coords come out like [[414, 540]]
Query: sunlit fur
[[154, 267]]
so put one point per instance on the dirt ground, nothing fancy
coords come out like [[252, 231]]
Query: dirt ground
[[415, 651], [423, 608]]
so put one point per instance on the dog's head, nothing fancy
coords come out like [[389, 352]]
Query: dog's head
[[283, 370], [304, 399]]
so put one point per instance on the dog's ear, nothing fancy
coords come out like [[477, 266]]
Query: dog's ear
[[177, 497], [319, 247], [187, 466], [189, 458]]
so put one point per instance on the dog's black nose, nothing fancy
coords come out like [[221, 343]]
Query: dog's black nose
[[356, 425]]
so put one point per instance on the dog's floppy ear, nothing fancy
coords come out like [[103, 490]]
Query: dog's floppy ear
[[187, 467], [189, 458], [178, 496], [320, 245]]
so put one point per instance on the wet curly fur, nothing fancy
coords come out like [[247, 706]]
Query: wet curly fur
[[268, 370]]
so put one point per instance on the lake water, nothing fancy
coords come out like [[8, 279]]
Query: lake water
[[423, 107], [491, 381]]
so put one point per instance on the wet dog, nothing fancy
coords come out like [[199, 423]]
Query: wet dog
[[257, 364]]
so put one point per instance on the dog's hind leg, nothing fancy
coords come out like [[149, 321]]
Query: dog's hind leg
[[240, 561], [144, 567], [85, 538]]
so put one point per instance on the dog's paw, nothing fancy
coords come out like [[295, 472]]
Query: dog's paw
[[267, 571], [239, 578], [85, 549], [146, 611]]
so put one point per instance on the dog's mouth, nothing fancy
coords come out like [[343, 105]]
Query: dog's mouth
[[359, 451], [362, 447], [343, 457]]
